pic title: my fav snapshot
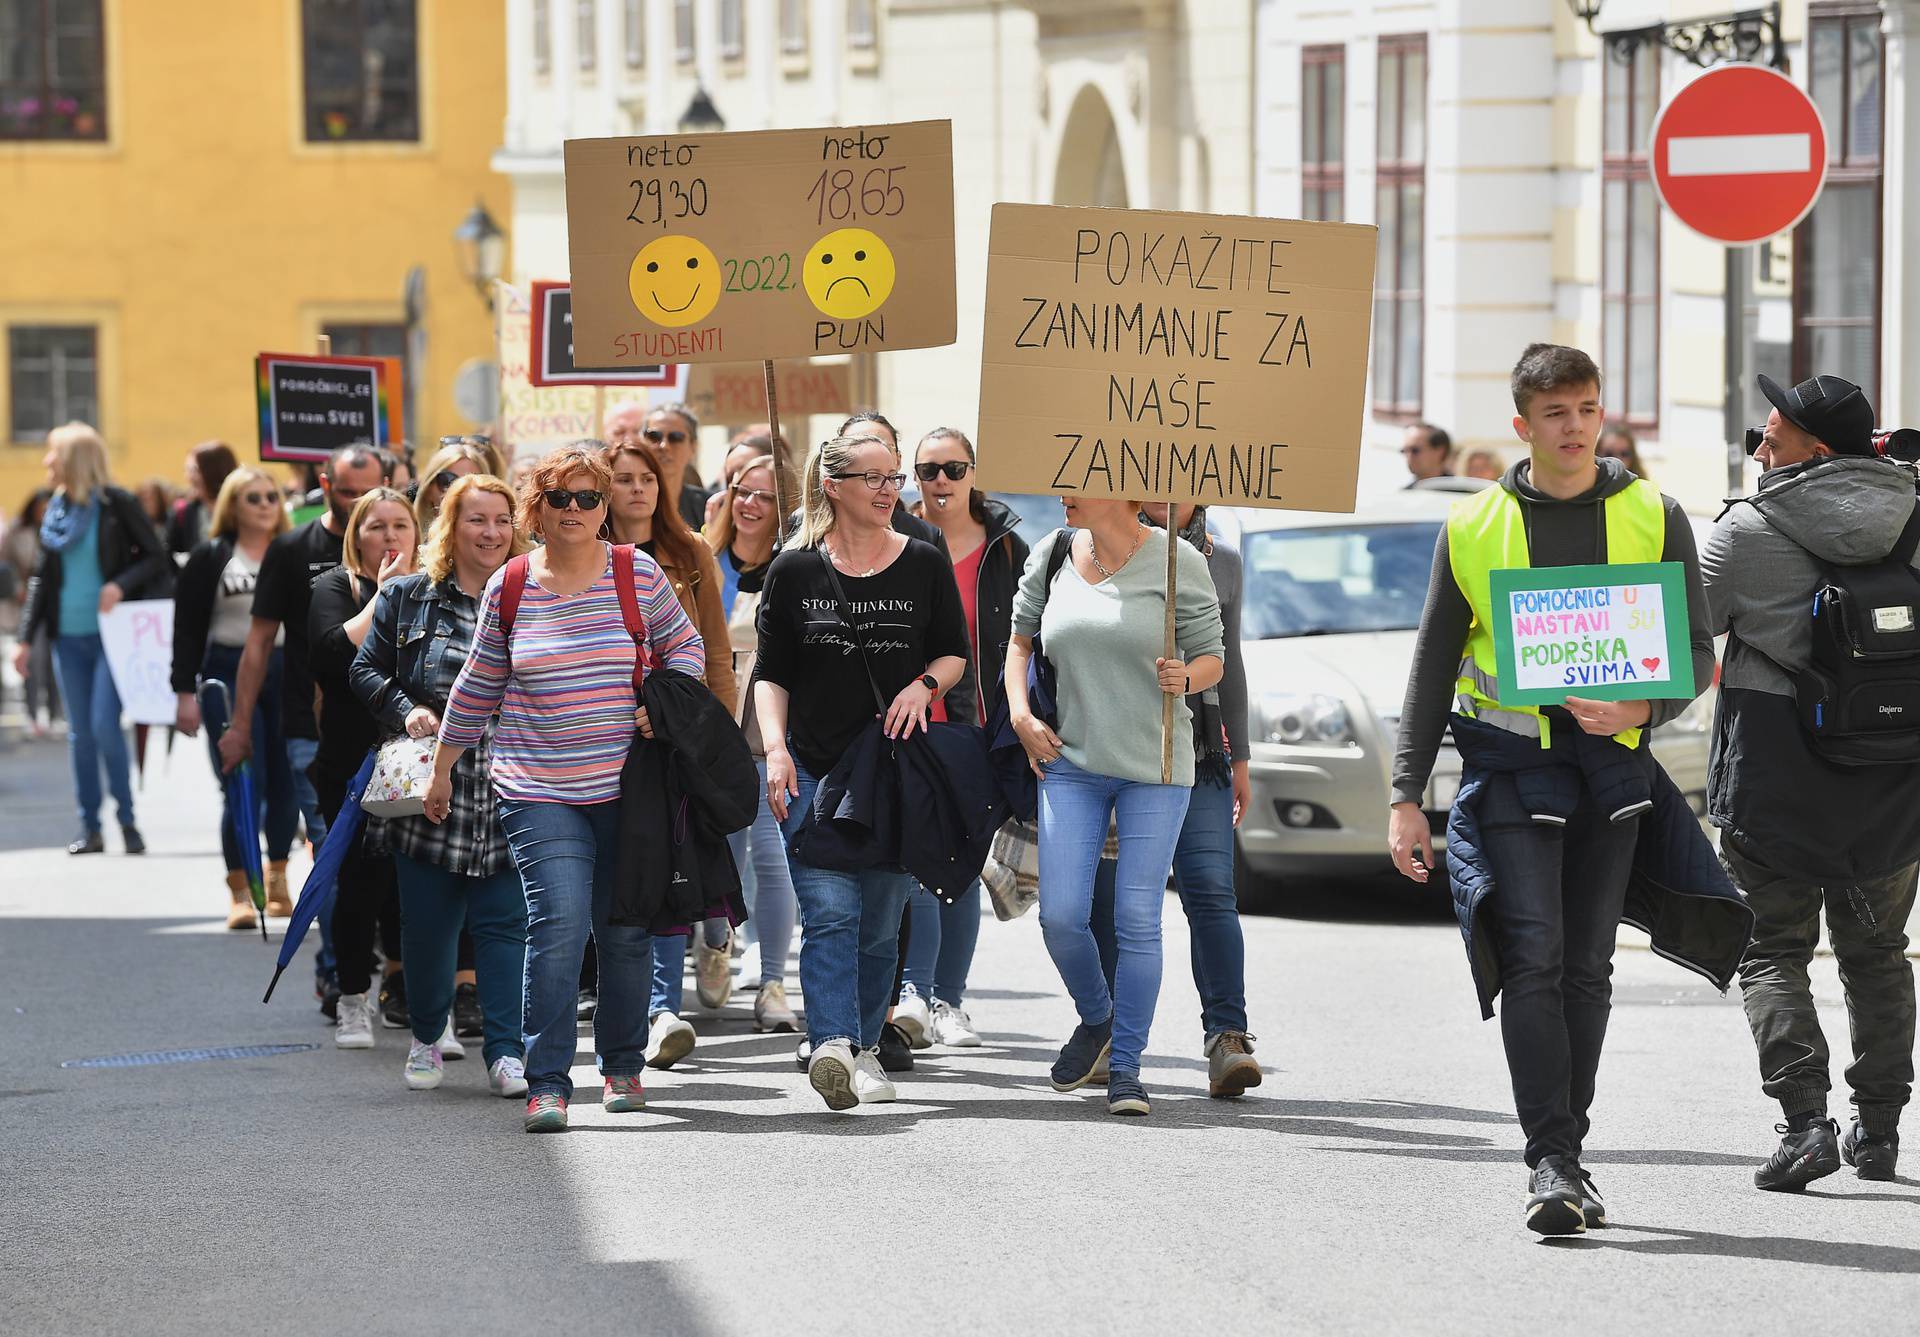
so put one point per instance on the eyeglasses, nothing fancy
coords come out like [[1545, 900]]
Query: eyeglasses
[[260, 498], [875, 480], [466, 441], [587, 498], [445, 479], [953, 469], [654, 437], [753, 494]]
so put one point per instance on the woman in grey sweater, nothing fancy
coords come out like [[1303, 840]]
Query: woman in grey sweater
[[1102, 624]]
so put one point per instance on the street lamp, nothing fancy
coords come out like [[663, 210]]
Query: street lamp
[[1747, 35], [483, 250], [701, 117]]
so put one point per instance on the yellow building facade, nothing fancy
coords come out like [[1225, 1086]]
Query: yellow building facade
[[187, 185]]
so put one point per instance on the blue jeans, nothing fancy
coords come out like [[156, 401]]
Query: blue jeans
[[669, 964], [1075, 809], [273, 773], [94, 735], [849, 940], [940, 947], [565, 855], [761, 853], [1203, 875], [434, 904], [300, 755]]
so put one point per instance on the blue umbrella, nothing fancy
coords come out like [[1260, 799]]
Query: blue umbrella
[[216, 712], [316, 897]]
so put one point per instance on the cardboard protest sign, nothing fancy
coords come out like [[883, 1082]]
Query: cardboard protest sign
[[1171, 356], [730, 396], [550, 361], [1608, 633], [764, 244], [310, 406], [138, 639]]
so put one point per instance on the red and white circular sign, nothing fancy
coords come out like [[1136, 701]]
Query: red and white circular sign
[[1739, 154]]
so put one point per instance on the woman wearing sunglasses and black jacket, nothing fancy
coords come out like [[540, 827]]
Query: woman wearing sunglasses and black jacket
[[988, 557]]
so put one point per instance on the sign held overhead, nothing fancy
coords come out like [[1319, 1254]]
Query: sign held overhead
[[1175, 357], [765, 244], [550, 361], [310, 406]]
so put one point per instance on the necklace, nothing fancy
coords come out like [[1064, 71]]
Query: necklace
[[841, 554], [1093, 551]]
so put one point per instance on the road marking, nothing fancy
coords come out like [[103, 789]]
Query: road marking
[[1739, 155]]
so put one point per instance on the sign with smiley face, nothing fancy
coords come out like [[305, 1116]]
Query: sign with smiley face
[[739, 247]]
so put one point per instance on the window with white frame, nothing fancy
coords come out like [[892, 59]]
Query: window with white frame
[[793, 27], [861, 23], [586, 34], [52, 377], [733, 43], [683, 31], [636, 34]]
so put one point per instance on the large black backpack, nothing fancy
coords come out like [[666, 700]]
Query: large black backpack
[[1859, 696]]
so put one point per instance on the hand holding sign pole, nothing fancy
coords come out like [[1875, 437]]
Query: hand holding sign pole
[[1175, 357]]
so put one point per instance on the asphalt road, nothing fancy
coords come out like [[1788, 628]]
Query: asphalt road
[[1372, 1184]]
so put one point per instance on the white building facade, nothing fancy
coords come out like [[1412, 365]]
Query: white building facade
[[1504, 155], [1146, 104]]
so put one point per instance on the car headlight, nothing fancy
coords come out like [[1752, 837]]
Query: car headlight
[[1697, 718], [1298, 719]]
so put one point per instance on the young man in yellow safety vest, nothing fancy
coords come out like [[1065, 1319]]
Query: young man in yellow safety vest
[[1541, 886]]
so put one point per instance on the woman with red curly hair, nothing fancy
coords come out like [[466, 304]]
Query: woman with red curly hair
[[560, 675]]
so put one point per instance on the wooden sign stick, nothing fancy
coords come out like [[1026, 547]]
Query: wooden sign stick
[[324, 345], [1166, 698], [773, 430]]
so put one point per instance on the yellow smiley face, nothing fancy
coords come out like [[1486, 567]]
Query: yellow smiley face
[[674, 280], [848, 273]]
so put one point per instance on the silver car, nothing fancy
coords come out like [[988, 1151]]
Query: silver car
[[1328, 618]]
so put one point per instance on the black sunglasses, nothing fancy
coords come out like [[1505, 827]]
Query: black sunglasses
[[654, 437], [587, 498], [259, 498], [955, 470], [445, 479]]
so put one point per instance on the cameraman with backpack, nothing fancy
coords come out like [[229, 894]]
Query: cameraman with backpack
[[1816, 754]]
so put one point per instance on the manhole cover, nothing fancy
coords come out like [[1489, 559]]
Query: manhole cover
[[185, 1056]]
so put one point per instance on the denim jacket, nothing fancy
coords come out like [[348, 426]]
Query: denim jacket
[[401, 663]]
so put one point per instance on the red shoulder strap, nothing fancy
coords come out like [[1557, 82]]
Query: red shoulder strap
[[630, 612], [512, 585]]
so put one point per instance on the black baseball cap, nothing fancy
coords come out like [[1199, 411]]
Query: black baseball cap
[[1835, 411]]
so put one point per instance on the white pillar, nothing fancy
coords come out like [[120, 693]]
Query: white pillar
[[1900, 245]]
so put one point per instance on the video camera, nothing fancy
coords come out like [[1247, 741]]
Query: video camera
[[1893, 443]]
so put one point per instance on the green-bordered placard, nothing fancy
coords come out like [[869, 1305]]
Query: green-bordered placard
[[1607, 633]]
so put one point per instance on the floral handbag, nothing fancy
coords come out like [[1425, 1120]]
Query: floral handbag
[[401, 772]]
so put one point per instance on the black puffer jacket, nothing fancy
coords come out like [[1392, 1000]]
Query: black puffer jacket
[[131, 556]]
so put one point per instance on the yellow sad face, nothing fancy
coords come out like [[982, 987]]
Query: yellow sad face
[[848, 273], [674, 280]]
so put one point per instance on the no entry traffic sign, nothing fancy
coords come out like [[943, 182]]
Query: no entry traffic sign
[[1739, 154]]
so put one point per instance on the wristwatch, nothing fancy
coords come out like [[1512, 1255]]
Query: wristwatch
[[932, 683]]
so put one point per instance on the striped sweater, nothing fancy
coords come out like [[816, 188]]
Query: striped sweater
[[565, 694]]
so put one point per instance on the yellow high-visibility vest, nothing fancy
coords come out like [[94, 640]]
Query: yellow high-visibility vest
[[1487, 532]]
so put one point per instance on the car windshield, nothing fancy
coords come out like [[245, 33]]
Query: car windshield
[[1325, 581]]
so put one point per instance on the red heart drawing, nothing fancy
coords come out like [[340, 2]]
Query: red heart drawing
[[1652, 665]]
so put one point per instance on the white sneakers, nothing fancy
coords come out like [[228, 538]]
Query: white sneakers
[[770, 1009], [507, 1077], [871, 1085], [913, 1018], [712, 972], [353, 1027], [450, 1047], [669, 1040], [952, 1027], [423, 1070], [831, 1071]]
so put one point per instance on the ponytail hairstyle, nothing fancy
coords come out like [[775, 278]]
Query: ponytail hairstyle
[[817, 518], [976, 499], [863, 423]]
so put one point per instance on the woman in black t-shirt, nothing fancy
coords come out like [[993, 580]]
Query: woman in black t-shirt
[[814, 698]]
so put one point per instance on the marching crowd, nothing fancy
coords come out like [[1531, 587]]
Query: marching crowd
[[642, 715]]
